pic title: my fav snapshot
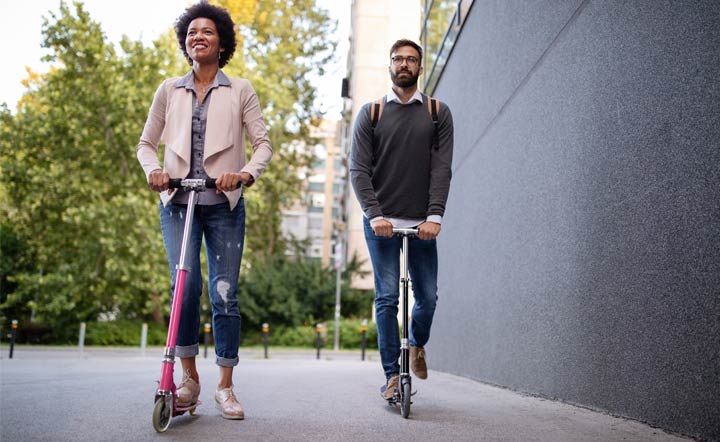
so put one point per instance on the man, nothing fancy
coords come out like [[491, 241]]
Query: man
[[400, 169]]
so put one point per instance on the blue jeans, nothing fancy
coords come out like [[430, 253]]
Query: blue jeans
[[224, 232], [423, 267]]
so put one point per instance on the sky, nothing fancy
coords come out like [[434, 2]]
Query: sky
[[21, 24]]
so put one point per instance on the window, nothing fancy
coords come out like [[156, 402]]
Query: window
[[443, 21], [317, 187]]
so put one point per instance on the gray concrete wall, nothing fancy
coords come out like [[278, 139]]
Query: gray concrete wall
[[580, 251]]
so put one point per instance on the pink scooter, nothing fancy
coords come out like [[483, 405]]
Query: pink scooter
[[165, 397]]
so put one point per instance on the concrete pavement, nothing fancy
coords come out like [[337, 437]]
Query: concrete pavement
[[107, 395]]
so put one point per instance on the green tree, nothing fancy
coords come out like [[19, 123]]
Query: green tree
[[283, 45], [292, 291], [74, 191], [81, 235]]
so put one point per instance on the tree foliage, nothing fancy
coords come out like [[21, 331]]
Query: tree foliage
[[71, 179], [81, 237], [285, 291], [284, 44]]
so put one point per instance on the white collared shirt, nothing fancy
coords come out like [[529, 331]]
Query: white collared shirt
[[392, 96]]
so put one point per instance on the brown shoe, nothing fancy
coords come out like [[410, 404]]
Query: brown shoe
[[387, 391], [227, 403], [188, 391], [417, 362]]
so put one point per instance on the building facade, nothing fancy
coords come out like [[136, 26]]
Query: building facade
[[580, 250], [316, 215]]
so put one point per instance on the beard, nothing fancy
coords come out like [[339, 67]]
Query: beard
[[406, 81]]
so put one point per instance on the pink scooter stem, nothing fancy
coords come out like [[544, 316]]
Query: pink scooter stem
[[167, 369], [166, 377]]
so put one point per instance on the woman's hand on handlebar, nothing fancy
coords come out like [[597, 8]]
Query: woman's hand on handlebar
[[158, 180], [229, 181], [428, 230]]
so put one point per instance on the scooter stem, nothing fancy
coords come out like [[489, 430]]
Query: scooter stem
[[404, 342], [166, 377], [192, 199]]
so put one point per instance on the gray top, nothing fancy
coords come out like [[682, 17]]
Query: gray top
[[197, 147], [408, 178]]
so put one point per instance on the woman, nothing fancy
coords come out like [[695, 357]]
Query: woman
[[201, 118]]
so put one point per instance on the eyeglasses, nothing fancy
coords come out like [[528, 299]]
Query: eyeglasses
[[398, 60]]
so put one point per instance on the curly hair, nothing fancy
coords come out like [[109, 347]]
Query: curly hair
[[223, 22]]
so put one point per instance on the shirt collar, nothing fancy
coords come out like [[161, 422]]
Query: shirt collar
[[188, 81], [392, 96]]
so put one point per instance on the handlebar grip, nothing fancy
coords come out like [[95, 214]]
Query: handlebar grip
[[177, 183], [210, 183]]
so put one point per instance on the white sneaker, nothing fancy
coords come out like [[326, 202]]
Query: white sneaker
[[188, 391], [227, 403]]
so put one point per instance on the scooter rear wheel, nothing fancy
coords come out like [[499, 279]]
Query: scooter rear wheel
[[161, 415], [405, 400]]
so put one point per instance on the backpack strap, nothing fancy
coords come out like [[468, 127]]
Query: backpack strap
[[376, 109], [433, 109]]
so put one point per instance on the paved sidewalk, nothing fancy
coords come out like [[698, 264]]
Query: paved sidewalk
[[107, 395]]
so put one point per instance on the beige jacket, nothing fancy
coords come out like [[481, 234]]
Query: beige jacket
[[231, 111]]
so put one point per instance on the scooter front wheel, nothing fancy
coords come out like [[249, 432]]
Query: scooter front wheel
[[405, 399], [161, 415]]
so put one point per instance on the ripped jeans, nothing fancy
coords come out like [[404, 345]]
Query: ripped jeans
[[224, 232]]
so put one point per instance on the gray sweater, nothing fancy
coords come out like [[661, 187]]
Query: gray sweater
[[408, 179]]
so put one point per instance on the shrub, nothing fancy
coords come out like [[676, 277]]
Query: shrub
[[123, 333], [305, 335]]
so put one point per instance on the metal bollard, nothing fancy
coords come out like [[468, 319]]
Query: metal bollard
[[81, 340], [318, 340], [363, 328], [265, 330], [207, 337], [13, 335], [143, 339]]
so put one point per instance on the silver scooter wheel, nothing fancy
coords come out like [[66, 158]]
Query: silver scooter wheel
[[161, 415]]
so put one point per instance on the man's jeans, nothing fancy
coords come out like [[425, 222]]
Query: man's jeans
[[224, 232], [423, 266]]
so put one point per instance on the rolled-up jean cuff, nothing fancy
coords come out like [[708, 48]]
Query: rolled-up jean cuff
[[188, 351], [224, 362]]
